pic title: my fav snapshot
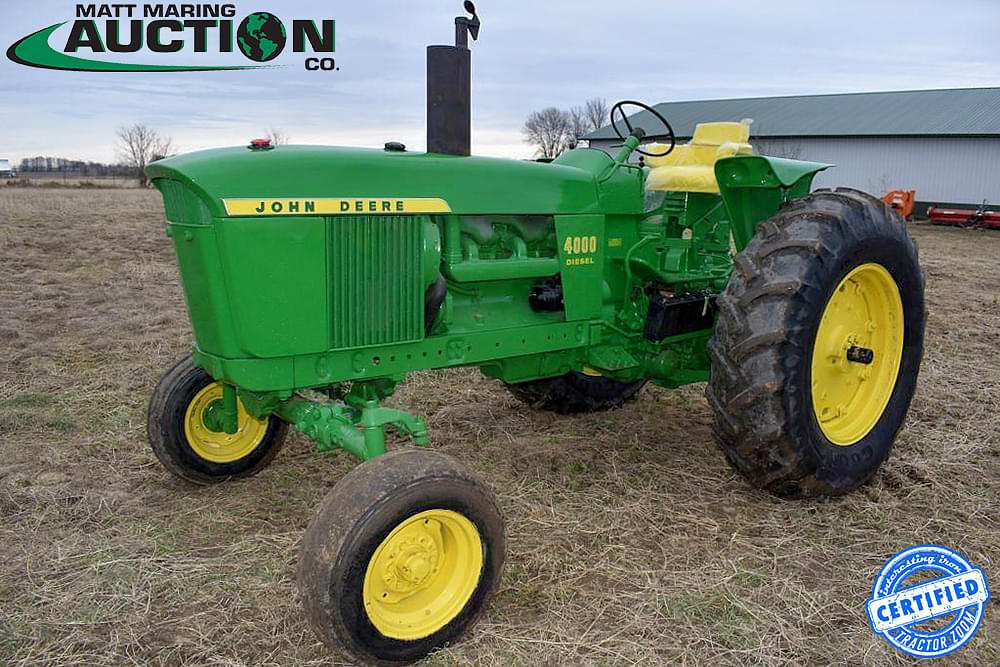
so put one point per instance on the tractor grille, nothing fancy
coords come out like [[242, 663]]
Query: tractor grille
[[375, 276]]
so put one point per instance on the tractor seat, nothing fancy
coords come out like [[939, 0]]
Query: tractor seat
[[690, 167]]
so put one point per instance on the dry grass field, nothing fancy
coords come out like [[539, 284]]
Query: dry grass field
[[71, 180], [630, 539]]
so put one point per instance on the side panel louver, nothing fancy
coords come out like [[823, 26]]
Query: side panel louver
[[375, 276]]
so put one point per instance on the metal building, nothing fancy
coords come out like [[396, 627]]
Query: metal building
[[945, 144]]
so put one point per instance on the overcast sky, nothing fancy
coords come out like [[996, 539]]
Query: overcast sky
[[531, 54]]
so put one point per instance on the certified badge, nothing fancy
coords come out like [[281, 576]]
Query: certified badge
[[896, 608]]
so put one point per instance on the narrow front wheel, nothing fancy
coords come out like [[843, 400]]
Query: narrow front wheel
[[185, 429], [401, 557]]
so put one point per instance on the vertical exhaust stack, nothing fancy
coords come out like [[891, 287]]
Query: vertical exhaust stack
[[449, 85]]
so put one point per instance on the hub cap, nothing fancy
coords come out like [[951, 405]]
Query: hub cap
[[202, 426], [422, 574], [857, 353]]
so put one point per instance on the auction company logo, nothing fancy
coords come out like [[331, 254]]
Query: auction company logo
[[112, 31], [899, 613]]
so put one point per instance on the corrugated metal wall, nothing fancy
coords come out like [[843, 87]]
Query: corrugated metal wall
[[947, 169]]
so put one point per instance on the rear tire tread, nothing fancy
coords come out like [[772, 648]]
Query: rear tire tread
[[757, 341], [576, 393]]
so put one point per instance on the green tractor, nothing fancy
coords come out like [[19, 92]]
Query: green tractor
[[575, 282]]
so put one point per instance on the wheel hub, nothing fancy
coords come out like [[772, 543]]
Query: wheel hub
[[857, 353], [422, 574], [212, 416], [411, 562], [203, 428], [860, 355]]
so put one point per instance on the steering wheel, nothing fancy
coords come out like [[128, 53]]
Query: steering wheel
[[638, 132]]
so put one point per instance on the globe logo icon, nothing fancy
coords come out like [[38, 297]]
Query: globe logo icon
[[261, 36]]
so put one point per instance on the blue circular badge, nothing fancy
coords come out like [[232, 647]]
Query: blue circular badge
[[897, 609]]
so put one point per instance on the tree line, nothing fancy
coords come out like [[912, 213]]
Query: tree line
[[137, 145], [47, 164], [552, 130]]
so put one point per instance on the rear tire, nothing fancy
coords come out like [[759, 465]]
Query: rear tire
[[576, 392], [792, 417]]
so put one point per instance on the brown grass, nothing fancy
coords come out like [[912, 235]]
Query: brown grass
[[630, 539], [57, 180]]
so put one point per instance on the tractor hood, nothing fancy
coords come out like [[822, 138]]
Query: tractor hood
[[465, 184]]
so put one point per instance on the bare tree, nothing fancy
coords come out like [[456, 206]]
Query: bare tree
[[277, 136], [138, 145], [579, 125], [553, 130], [595, 111], [549, 130]]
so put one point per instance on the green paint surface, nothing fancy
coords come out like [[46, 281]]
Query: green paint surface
[[280, 303]]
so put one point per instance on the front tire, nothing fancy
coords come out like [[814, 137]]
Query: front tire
[[188, 447], [818, 344], [401, 557]]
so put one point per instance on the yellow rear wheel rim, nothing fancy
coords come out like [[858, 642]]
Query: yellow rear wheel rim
[[219, 446], [422, 574], [865, 313]]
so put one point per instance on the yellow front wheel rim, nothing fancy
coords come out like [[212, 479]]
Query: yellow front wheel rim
[[857, 354], [422, 574], [219, 446]]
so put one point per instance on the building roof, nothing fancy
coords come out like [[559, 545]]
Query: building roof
[[948, 112]]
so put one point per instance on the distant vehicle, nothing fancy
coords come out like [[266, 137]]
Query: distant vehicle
[[981, 217], [5, 169]]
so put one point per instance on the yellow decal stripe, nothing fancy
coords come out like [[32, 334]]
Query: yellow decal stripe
[[346, 206]]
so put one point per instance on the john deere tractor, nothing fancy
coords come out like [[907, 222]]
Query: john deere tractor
[[574, 283]]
